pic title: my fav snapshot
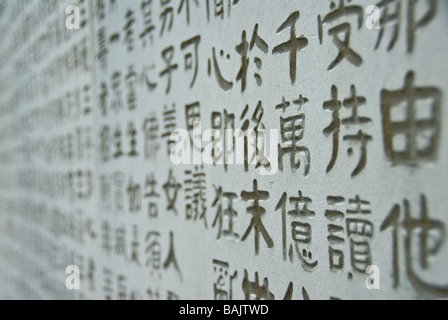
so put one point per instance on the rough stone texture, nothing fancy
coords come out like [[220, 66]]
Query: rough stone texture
[[85, 121]]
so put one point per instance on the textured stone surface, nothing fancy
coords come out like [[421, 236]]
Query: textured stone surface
[[86, 177]]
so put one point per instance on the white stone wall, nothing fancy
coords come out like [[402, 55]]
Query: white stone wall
[[355, 120]]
